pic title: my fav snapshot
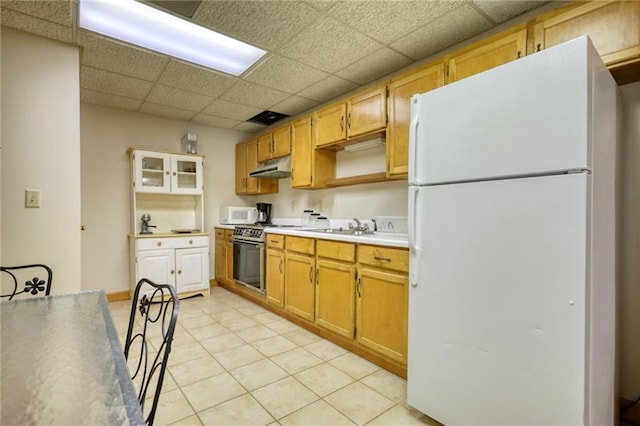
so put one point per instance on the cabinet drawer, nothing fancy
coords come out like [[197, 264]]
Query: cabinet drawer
[[219, 234], [178, 242], [301, 245], [384, 257], [336, 250], [228, 234], [275, 241]]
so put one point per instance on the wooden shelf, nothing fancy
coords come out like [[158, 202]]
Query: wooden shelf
[[357, 180]]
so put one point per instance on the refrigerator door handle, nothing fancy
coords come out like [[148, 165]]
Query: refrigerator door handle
[[413, 138], [413, 248]]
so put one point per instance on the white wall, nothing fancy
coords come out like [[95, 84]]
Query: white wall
[[107, 134], [41, 150], [629, 292]]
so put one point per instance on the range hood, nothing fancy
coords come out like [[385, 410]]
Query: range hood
[[277, 168]]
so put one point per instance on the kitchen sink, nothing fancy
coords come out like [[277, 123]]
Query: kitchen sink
[[340, 231]]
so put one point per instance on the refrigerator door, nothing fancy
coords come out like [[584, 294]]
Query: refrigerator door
[[497, 311], [527, 117]]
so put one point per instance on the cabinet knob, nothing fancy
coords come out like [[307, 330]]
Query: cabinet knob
[[179, 272], [173, 272], [175, 173], [190, 241], [167, 173], [159, 243]]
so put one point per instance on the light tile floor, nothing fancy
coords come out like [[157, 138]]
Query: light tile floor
[[235, 363]]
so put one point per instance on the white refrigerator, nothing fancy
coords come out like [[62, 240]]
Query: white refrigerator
[[512, 244]]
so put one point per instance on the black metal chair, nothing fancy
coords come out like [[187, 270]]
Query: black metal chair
[[158, 307], [26, 280]]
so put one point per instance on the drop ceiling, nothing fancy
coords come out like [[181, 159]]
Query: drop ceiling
[[317, 50]]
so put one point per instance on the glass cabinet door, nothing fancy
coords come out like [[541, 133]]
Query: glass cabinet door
[[152, 172], [186, 174]]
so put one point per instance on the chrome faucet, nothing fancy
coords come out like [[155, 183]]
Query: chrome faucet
[[359, 227]]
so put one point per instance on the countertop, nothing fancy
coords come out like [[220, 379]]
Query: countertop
[[378, 238]]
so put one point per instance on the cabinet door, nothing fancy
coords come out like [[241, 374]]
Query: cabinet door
[[220, 260], [487, 54], [335, 296], [400, 92], [252, 164], [265, 147], [192, 269], [157, 266], [275, 277], [186, 174], [241, 168], [152, 172], [310, 168], [229, 262], [367, 112], [299, 285], [331, 124], [281, 142], [613, 26], [382, 312]]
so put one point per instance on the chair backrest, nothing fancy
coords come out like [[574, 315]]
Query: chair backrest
[[148, 342], [25, 280]]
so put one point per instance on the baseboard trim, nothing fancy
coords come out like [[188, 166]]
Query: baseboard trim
[[115, 297]]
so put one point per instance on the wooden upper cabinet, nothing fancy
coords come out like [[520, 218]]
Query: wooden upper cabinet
[[487, 54], [331, 126], [265, 145], [361, 114], [246, 161], [309, 168], [367, 112], [401, 89], [275, 144], [613, 26]]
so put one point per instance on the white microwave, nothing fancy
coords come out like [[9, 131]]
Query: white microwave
[[236, 215]]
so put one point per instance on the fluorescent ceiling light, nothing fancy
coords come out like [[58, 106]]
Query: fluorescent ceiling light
[[148, 27], [373, 143]]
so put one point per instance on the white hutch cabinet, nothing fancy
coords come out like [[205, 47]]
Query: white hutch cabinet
[[169, 188]]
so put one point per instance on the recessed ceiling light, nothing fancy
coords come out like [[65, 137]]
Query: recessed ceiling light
[[148, 27]]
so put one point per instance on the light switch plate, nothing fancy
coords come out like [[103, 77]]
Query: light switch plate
[[32, 198]]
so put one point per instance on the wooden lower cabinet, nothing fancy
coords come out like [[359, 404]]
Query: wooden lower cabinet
[[275, 270], [382, 309], [335, 296], [299, 285], [228, 254], [224, 255]]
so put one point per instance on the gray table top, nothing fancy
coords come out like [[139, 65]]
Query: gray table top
[[62, 363]]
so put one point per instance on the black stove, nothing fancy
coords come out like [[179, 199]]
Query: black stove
[[254, 233]]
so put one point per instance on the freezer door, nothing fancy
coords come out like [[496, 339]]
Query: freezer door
[[497, 305], [530, 116]]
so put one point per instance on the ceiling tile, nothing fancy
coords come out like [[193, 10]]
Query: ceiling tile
[[503, 10], [59, 12], [110, 55], [284, 74], [30, 24], [254, 95], [214, 121], [388, 21], [328, 88], [266, 24], [117, 84], [178, 98], [293, 105], [371, 67], [106, 99], [250, 127], [226, 109], [329, 45], [442, 33], [195, 79], [166, 111]]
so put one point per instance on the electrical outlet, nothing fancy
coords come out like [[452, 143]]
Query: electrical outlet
[[32, 198]]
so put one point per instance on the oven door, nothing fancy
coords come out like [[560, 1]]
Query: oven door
[[248, 264]]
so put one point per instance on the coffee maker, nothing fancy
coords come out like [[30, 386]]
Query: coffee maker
[[264, 213]]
